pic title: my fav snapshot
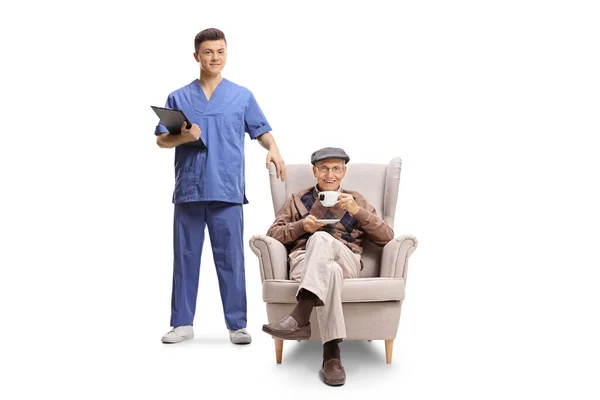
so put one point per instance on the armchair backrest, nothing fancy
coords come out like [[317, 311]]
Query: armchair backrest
[[378, 183]]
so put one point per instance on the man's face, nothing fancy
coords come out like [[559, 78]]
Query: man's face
[[212, 55], [329, 173]]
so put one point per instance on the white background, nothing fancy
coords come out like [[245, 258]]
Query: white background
[[493, 107]]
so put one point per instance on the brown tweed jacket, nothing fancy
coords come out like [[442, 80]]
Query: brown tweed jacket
[[350, 230]]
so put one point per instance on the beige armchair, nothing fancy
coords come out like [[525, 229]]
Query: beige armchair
[[372, 302]]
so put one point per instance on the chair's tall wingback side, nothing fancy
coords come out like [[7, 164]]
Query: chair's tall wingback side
[[377, 182], [390, 196], [298, 177]]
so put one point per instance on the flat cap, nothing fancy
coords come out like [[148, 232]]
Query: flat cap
[[327, 153]]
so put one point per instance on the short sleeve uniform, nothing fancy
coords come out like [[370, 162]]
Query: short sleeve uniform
[[218, 173]]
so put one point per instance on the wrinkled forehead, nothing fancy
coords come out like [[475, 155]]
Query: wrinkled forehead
[[330, 162]]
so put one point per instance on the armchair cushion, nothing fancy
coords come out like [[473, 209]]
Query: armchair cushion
[[358, 290]]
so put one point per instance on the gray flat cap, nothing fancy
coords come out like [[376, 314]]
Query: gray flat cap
[[327, 153]]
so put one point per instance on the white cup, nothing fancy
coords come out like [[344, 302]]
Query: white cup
[[328, 198]]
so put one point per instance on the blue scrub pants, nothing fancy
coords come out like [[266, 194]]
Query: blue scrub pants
[[225, 227]]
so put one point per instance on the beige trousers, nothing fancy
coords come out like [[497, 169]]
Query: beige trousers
[[321, 269]]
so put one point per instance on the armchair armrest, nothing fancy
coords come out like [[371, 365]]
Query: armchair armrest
[[272, 257], [394, 258]]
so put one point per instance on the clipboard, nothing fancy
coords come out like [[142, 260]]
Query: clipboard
[[173, 119]]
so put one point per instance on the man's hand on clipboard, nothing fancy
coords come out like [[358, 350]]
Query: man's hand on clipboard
[[192, 134]]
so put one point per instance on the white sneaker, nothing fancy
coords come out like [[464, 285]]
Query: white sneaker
[[241, 336], [178, 334]]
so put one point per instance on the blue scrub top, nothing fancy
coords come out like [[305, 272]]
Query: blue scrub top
[[218, 173]]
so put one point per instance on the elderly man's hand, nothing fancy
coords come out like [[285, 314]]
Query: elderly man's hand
[[346, 202], [310, 224]]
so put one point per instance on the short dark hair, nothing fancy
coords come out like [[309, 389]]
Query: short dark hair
[[208, 34]]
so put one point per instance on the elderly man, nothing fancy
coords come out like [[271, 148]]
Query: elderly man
[[322, 255]]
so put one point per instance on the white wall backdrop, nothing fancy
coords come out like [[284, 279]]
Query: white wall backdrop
[[493, 107]]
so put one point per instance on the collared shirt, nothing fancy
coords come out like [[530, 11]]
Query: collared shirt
[[218, 173], [339, 189]]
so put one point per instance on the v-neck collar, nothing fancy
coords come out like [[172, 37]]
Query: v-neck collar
[[217, 100], [215, 92]]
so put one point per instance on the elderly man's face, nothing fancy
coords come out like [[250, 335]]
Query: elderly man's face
[[329, 173]]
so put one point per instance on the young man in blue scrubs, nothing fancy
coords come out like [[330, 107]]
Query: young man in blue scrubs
[[210, 186]]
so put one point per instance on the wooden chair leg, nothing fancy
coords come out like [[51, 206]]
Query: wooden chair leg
[[389, 347], [278, 350]]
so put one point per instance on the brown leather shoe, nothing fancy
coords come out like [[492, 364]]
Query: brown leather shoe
[[287, 328], [333, 372]]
